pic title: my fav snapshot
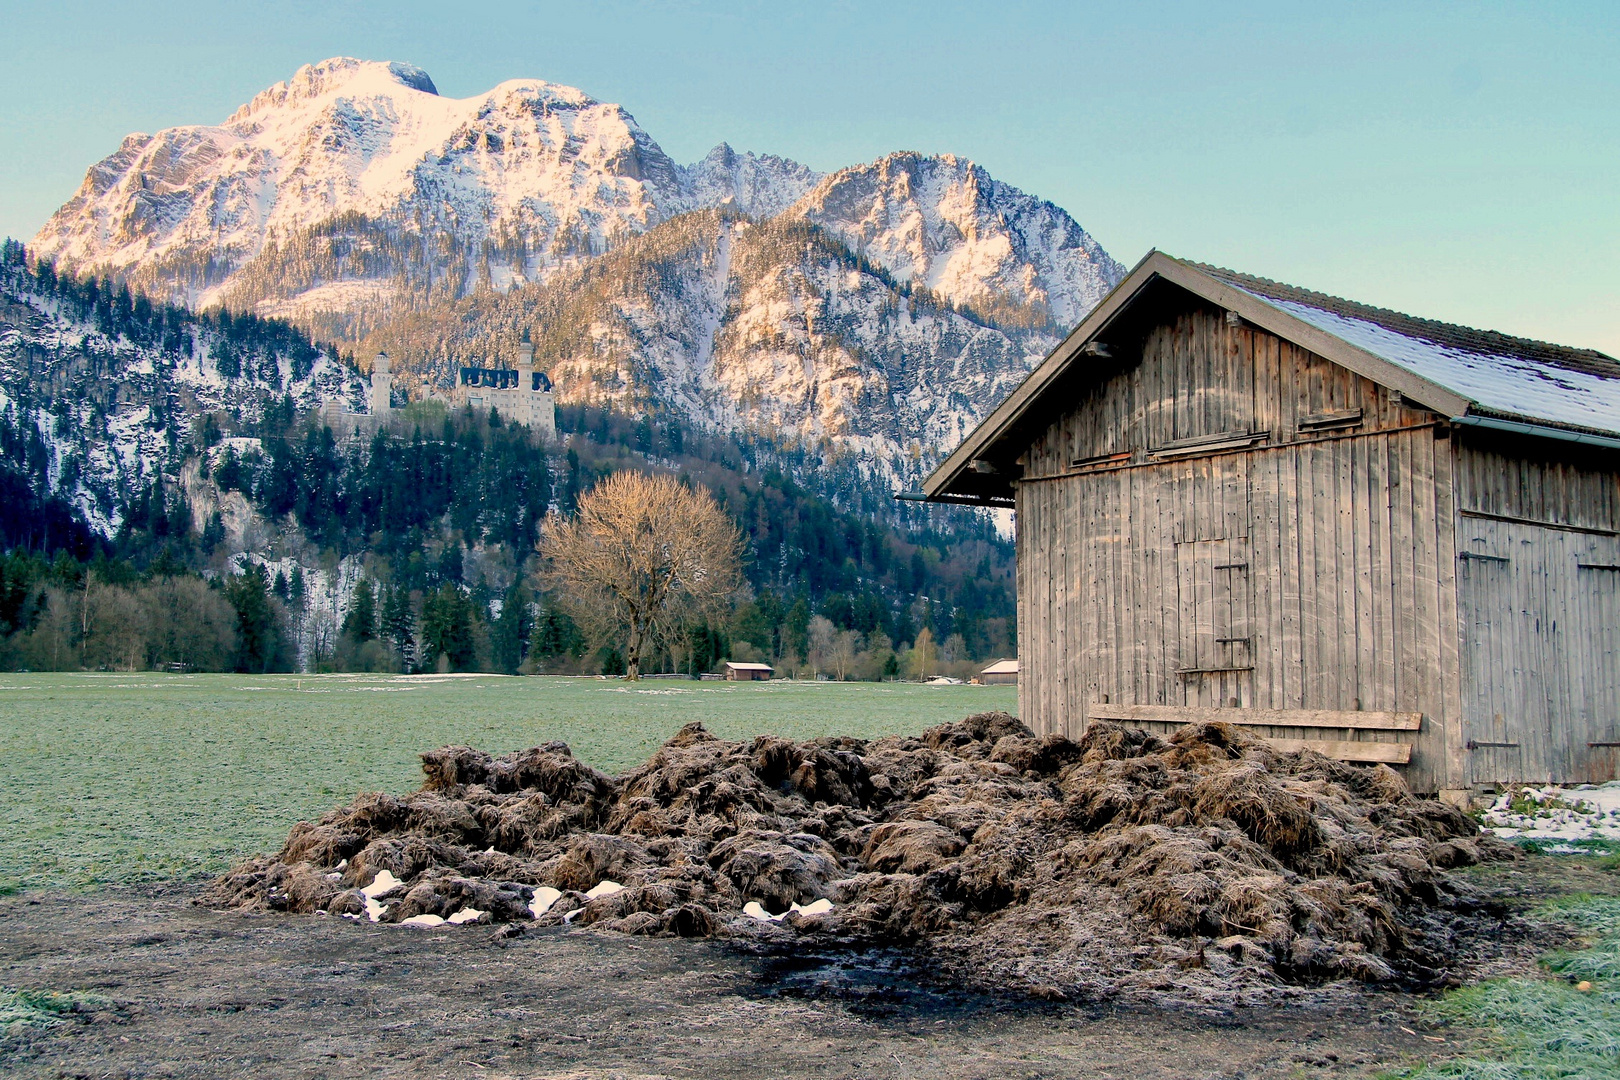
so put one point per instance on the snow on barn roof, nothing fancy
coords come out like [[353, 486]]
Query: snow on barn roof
[[1498, 373], [737, 665], [1471, 377], [1001, 667]]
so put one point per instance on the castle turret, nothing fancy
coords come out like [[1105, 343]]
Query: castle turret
[[382, 386], [525, 364], [534, 390]]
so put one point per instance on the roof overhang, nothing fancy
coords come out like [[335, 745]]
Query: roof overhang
[[982, 470]]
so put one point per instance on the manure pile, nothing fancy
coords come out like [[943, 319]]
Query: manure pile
[[1051, 865]]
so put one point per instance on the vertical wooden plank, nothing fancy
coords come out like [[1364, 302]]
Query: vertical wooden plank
[[1315, 581], [1346, 556], [1408, 657], [1290, 529], [1132, 688], [1127, 666], [1092, 588], [1366, 548], [1383, 623], [1187, 399], [1154, 597], [1022, 555], [1451, 755], [1427, 571], [1065, 509], [1268, 563]]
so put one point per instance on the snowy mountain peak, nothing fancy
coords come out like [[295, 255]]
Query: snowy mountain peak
[[341, 74], [760, 185], [354, 200], [942, 222], [553, 95]]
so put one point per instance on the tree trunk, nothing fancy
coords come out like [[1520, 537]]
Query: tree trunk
[[632, 651]]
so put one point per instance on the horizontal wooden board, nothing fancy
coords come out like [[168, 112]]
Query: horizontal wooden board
[[1313, 718], [1391, 753]]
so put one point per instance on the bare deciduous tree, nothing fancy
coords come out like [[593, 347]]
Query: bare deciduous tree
[[924, 653], [845, 650], [191, 625], [821, 638], [642, 556]]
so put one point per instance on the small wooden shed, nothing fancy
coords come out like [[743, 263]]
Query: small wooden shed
[[1002, 672], [738, 671], [1389, 538]]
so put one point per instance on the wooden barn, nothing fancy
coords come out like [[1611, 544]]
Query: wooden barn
[[1394, 539]]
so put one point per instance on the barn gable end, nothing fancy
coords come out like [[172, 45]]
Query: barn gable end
[[1216, 516]]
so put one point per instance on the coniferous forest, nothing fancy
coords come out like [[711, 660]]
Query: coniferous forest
[[264, 540]]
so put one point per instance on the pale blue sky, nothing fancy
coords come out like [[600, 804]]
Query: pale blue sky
[[1457, 161]]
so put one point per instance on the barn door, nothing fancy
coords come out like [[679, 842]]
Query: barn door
[[1594, 636], [1513, 585], [1215, 604]]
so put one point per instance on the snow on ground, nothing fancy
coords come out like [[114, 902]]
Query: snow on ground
[[336, 296], [1557, 816]]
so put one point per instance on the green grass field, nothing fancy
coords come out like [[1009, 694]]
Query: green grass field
[[126, 778], [1565, 1026]]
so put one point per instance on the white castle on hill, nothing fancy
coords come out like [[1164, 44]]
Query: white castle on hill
[[523, 396]]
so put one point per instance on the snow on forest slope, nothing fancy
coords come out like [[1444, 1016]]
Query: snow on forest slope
[[101, 395]]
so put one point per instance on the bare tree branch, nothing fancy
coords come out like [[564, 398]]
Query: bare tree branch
[[642, 557]]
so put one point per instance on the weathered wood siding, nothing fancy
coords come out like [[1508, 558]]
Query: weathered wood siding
[[1539, 593], [1309, 563]]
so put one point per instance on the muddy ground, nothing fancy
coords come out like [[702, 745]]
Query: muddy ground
[[196, 993]]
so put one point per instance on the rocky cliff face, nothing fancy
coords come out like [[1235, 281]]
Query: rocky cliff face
[[889, 304], [736, 323]]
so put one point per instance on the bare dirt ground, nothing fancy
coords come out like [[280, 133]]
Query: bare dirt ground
[[196, 993]]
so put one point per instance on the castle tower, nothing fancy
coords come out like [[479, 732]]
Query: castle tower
[[525, 364], [534, 391], [382, 386]]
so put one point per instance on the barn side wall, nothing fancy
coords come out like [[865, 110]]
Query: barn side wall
[[1538, 532], [1312, 567]]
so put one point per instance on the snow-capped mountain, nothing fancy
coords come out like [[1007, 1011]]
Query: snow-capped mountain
[[897, 300]]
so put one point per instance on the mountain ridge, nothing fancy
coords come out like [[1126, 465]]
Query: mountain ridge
[[353, 197]]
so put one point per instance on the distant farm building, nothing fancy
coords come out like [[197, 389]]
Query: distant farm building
[[522, 396], [737, 671], [1000, 672], [1385, 538]]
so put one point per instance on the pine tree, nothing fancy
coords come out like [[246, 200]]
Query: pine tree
[[259, 638], [447, 628], [360, 624], [399, 623], [508, 633]]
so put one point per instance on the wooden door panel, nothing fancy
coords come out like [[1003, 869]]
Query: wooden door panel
[[1215, 602], [1594, 635], [1490, 607], [1540, 610]]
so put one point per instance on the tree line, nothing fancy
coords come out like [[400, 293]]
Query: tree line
[[444, 527]]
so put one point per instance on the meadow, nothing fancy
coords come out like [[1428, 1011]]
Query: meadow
[[124, 778]]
